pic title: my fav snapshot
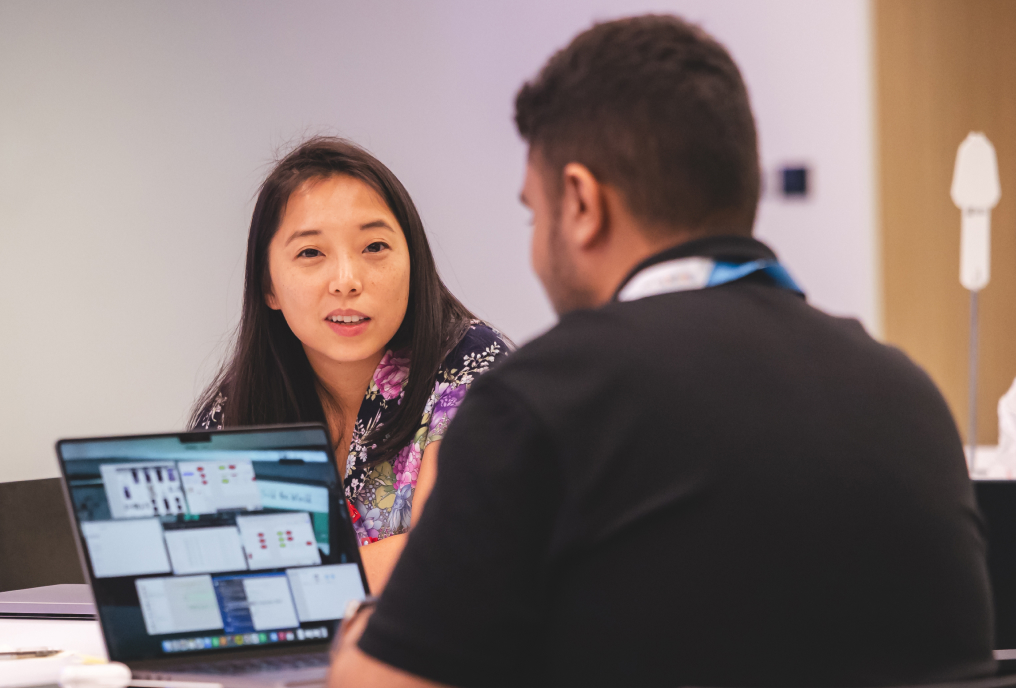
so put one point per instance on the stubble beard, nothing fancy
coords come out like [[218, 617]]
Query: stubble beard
[[564, 285]]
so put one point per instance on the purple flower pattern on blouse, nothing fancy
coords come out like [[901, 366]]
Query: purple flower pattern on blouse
[[391, 374]]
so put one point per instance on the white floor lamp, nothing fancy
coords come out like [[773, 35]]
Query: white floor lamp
[[975, 191]]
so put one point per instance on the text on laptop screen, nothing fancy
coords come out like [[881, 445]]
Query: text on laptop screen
[[232, 541]]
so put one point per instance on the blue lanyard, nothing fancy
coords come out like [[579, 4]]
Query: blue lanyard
[[688, 274], [731, 272]]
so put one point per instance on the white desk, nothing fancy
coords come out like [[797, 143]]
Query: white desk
[[80, 636]]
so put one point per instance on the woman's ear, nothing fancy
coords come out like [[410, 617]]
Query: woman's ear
[[270, 300], [583, 212]]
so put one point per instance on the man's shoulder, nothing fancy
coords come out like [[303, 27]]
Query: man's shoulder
[[691, 321], [578, 336], [586, 349], [690, 340]]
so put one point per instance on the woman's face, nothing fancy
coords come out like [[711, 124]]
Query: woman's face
[[339, 268]]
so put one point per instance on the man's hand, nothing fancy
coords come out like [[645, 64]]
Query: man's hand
[[353, 668]]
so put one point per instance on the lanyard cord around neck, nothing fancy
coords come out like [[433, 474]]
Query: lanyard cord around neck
[[689, 274]]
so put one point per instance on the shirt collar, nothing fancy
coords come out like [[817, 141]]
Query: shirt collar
[[727, 248]]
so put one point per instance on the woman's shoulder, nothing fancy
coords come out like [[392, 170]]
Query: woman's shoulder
[[480, 347], [210, 417]]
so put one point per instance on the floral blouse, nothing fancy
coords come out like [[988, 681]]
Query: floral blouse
[[380, 497]]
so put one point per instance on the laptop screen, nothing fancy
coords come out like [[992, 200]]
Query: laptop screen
[[203, 542]]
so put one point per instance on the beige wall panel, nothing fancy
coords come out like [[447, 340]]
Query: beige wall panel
[[945, 68]]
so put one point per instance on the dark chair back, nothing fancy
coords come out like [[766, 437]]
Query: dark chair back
[[36, 541], [997, 500]]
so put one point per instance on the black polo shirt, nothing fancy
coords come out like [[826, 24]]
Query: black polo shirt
[[722, 487]]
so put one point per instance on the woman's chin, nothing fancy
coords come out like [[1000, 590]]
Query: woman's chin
[[347, 352]]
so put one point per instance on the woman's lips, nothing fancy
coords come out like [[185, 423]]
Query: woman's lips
[[344, 329]]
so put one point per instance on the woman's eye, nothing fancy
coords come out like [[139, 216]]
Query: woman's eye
[[376, 247], [309, 253]]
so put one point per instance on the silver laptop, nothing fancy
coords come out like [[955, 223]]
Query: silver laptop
[[224, 557]]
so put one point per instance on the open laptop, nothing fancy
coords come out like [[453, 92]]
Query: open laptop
[[225, 557]]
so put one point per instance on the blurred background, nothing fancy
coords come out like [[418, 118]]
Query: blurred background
[[134, 135]]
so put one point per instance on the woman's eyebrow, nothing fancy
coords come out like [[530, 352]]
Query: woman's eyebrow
[[377, 224], [304, 233]]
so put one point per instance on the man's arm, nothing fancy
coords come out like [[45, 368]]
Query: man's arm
[[379, 558], [462, 600], [352, 667]]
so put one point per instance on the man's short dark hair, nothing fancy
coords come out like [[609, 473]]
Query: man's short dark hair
[[657, 108]]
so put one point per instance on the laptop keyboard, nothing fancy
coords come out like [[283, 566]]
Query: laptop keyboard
[[256, 665]]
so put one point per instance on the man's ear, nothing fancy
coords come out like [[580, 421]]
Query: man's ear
[[583, 211]]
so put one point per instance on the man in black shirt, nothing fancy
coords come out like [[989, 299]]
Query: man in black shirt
[[695, 477]]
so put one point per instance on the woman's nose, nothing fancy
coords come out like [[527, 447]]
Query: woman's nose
[[345, 279]]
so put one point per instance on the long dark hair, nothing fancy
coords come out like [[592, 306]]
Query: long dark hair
[[267, 379]]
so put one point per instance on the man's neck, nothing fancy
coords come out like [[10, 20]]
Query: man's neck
[[632, 251]]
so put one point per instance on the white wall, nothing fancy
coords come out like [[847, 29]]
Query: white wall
[[133, 136]]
